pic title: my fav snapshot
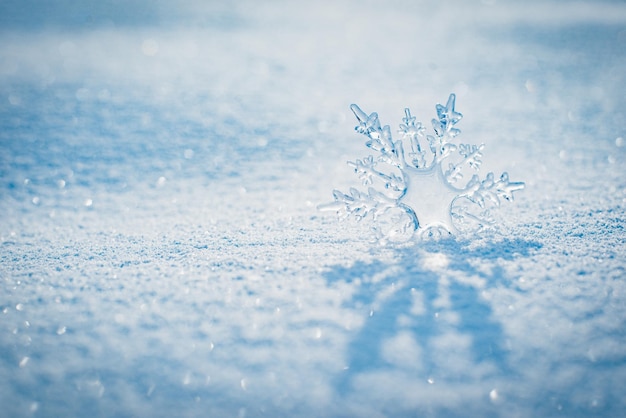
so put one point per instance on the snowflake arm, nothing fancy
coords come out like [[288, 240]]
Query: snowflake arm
[[448, 117], [360, 204], [414, 132], [491, 190], [380, 138], [366, 172], [472, 157]]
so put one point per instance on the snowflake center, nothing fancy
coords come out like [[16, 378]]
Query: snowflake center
[[429, 197]]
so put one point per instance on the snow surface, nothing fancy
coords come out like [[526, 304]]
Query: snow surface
[[160, 249]]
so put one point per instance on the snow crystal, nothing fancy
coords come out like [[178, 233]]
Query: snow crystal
[[428, 192]]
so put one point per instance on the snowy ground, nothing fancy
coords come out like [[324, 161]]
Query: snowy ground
[[160, 249]]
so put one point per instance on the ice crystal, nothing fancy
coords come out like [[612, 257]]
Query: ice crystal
[[431, 190]]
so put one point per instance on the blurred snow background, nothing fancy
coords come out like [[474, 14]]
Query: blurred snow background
[[160, 250]]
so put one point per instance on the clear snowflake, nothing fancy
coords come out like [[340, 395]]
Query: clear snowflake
[[431, 190]]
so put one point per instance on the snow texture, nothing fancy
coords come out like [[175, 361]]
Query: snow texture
[[161, 253]]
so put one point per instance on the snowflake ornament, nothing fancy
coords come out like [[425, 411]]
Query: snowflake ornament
[[431, 190]]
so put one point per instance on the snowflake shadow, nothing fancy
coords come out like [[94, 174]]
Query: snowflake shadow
[[426, 321]]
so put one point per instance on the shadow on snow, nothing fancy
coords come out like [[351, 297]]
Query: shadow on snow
[[429, 293]]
